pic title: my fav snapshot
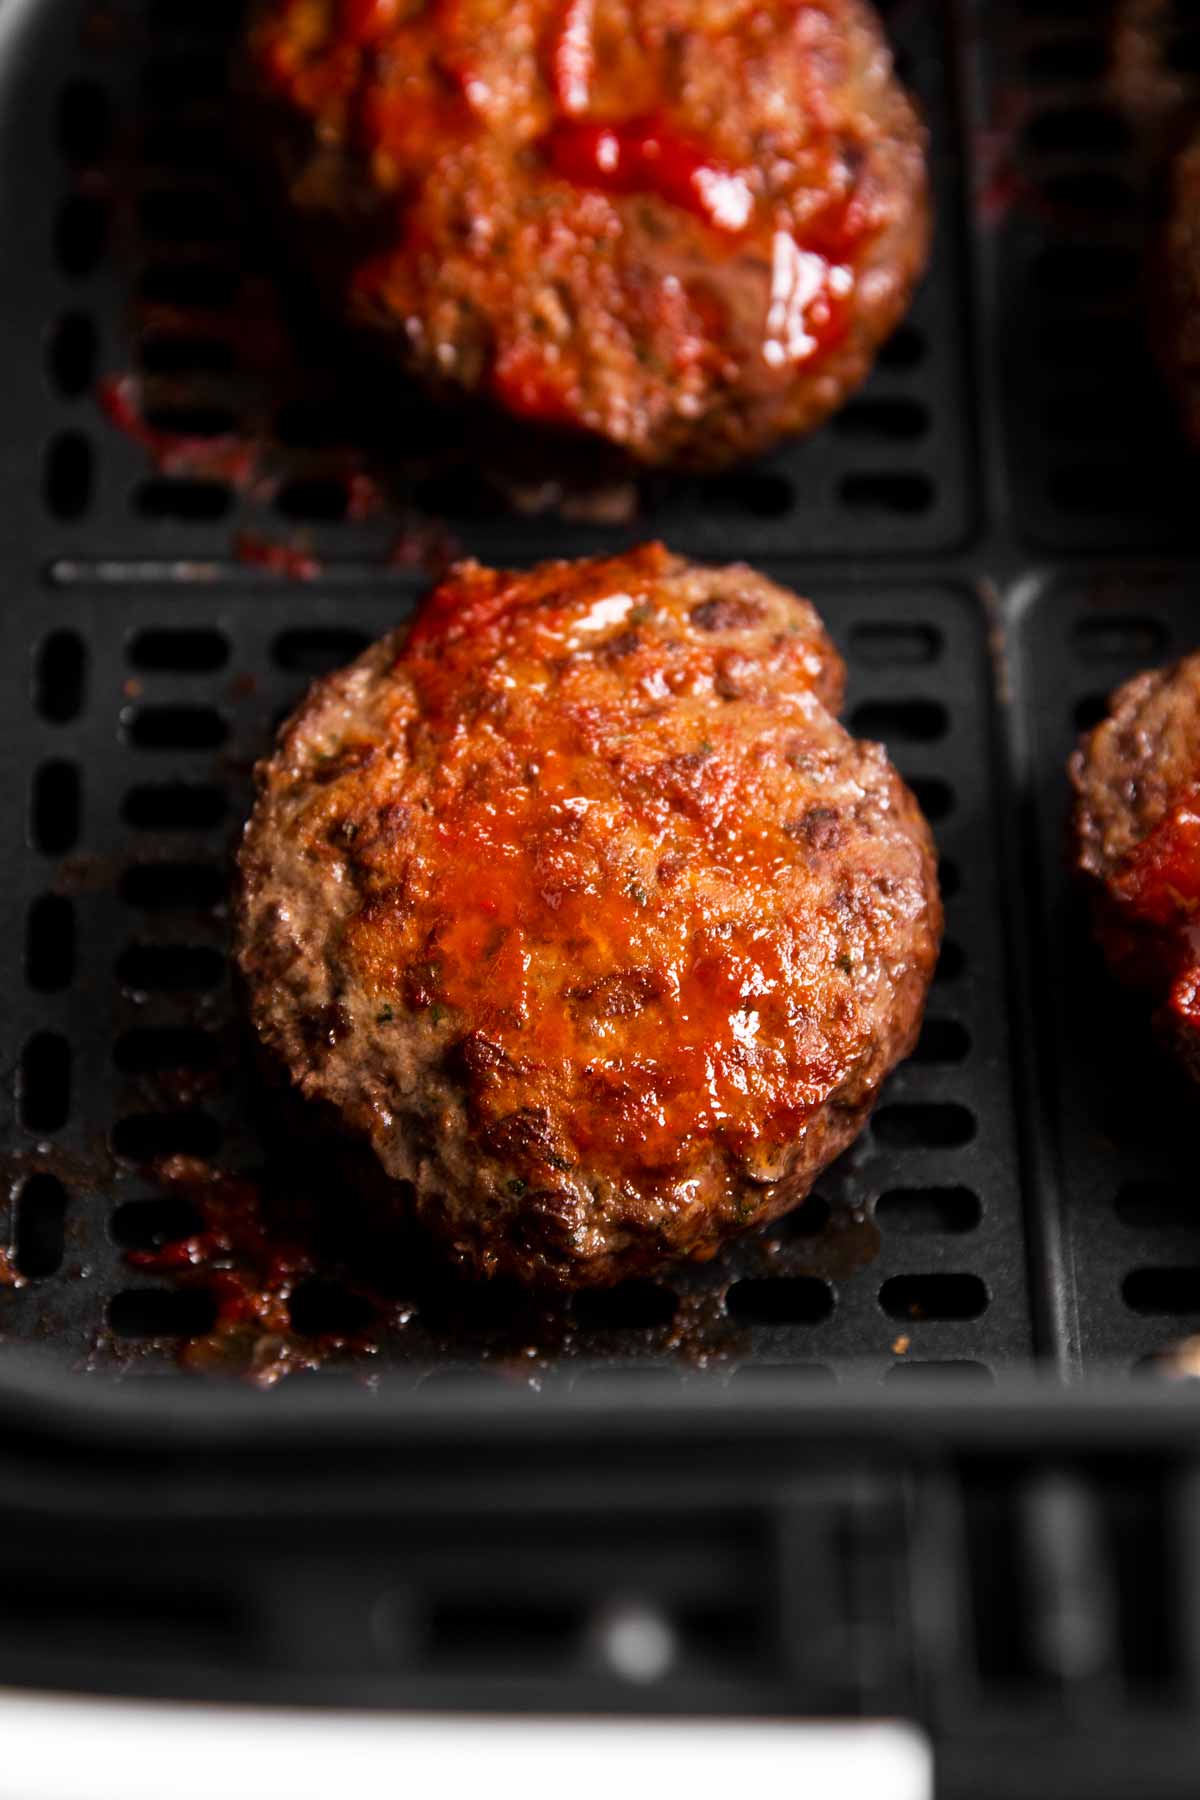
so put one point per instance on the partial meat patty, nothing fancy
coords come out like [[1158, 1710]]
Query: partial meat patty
[[1137, 827], [1180, 321], [576, 901], [681, 227]]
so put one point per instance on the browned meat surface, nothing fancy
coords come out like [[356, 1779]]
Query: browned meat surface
[[1137, 829], [575, 900], [680, 227]]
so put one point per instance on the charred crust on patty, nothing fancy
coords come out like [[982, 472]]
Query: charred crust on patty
[[691, 251], [585, 968]]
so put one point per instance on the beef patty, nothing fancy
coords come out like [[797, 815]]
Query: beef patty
[[577, 902], [1137, 831], [681, 227]]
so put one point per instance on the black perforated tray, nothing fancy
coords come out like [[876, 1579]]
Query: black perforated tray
[[998, 530], [149, 651]]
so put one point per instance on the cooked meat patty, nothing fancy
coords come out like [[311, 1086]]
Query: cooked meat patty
[[681, 227], [1180, 333], [577, 901], [1137, 824]]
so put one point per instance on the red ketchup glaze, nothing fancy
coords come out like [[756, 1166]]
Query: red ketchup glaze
[[226, 458], [562, 890], [1159, 880], [1158, 884], [647, 156], [367, 21], [810, 303], [573, 57]]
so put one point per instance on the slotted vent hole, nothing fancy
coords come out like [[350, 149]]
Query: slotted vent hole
[[144, 1137], [40, 1235], [183, 651], [1077, 132], [209, 286], [782, 1300], [808, 1219], [1099, 193], [923, 1126], [499, 1631], [1085, 272], [1158, 1206], [1119, 639], [799, 1373], [325, 1309], [1066, 59], [195, 501], [1170, 1290], [317, 650], [55, 810], [1183, 50], [174, 81], [185, 353], [303, 425], [901, 721], [187, 144], [466, 494], [149, 1224], [631, 1306], [84, 123], [170, 968], [71, 355], [904, 349], [68, 477], [949, 1369], [934, 1296], [199, 17], [1089, 711], [44, 1084], [880, 644], [951, 963], [942, 1041], [900, 420], [152, 1048], [50, 944], [324, 501], [889, 491], [80, 235], [176, 728], [934, 796], [161, 1312], [192, 421], [174, 806], [927, 1211], [190, 886], [183, 214], [59, 677], [757, 492], [461, 1307]]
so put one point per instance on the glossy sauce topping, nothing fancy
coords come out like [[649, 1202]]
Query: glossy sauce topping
[[500, 160], [368, 21], [595, 886], [647, 156], [1158, 883], [573, 57]]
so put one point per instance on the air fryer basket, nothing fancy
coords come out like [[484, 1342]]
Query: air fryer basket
[[199, 516]]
